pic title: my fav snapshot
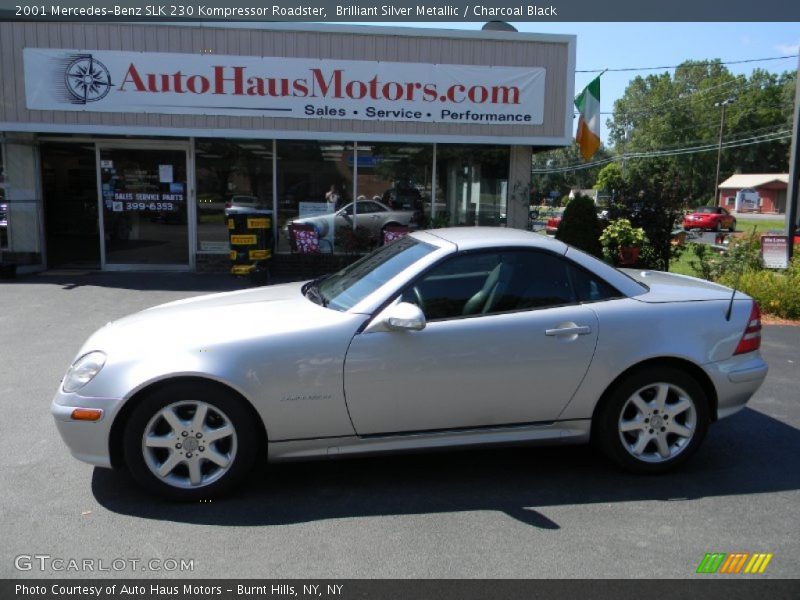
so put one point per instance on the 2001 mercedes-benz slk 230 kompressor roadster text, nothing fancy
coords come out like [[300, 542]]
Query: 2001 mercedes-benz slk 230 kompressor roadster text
[[445, 338]]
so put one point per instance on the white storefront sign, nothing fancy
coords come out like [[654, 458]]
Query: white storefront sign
[[150, 82], [775, 251]]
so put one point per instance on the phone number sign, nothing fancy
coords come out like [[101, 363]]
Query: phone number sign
[[126, 201]]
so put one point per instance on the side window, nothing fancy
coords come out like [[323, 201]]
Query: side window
[[458, 287], [484, 283], [589, 288], [532, 280], [370, 207]]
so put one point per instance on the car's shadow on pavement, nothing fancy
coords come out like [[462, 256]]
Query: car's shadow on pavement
[[749, 453]]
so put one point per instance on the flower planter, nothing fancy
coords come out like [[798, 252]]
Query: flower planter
[[628, 255]]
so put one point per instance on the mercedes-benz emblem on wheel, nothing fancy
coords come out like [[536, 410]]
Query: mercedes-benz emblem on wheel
[[88, 80]]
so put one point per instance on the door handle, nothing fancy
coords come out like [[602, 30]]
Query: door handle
[[576, 330]]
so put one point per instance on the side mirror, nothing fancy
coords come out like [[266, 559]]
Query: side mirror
[[402, 316]]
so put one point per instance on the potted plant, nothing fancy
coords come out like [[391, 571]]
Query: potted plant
[[622, 242]]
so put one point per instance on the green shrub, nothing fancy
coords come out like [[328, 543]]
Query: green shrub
[[579, 226], [778, 292], [742, 254]]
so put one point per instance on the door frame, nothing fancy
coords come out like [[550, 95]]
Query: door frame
[[191, 209]]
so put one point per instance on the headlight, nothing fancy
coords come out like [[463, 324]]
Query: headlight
[[83, 371]]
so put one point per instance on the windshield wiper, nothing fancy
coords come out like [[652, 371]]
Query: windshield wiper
[[312, 292]]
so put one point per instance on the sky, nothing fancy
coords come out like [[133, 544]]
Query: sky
[[617, 45]]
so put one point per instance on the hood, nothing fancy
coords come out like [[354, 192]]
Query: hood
[[214, 320], [670, 287]]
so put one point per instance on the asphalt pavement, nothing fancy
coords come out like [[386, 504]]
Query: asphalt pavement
[[499, 513]]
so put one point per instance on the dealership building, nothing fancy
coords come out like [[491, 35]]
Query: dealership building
[[124, 145]]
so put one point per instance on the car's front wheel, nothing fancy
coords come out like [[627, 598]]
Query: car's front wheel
[[190, 442], [653, 421]]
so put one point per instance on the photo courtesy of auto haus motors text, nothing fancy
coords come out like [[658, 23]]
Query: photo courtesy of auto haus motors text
[[109, 81], [172, 590]]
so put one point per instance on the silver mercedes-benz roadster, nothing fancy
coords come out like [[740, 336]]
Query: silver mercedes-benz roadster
[[445, 338]]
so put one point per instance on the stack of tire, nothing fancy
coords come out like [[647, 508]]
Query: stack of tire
[[251, 242]]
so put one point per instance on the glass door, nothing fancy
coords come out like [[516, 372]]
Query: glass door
[[474, 182], [145, 205], [69, 189]]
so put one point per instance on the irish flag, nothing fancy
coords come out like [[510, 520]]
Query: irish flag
[[588, 104]]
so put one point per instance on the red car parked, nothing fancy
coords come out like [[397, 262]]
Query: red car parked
[[713, 218]]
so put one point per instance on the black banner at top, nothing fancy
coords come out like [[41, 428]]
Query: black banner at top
[[400, 11]]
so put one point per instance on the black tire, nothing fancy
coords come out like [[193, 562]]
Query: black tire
[[244, 452], [732, 228], [606, 425]]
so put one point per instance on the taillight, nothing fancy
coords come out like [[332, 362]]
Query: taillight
[[751, 338]]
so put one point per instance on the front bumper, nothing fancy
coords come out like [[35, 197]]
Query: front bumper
[[736, 380], [87, 440]]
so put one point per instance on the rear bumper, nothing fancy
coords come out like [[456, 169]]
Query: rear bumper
[[699, 225], [736, 380]]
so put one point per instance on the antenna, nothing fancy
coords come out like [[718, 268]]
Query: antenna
[[736, 285]]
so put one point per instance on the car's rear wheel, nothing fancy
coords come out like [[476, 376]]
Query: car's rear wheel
[[190, 442], [732, 228], [653, 421]]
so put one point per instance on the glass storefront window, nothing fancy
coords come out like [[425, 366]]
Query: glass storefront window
[[316, 186], [315, 181], [472, 184], [3, 202], [232, 176], [144, 206]]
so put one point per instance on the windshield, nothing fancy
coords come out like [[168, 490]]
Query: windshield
[[343, 290], [706, 209]]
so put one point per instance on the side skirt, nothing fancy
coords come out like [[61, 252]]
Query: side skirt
[[566, 432]]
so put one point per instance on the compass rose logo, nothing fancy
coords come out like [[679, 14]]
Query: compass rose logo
[[87, 79]]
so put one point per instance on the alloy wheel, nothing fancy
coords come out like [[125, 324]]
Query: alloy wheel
[[189, 444], [657, 422]]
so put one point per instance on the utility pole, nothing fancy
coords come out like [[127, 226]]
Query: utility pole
[[723, 104], [794, 169]]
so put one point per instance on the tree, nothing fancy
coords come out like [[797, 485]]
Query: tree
[[610, 179], [579, 226], [655, 207], [556, 180], [663, 111]]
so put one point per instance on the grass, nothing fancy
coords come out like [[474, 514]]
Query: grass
[[746, 225], [743, 224], [682, 266]]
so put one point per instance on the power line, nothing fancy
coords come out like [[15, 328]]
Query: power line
[[770, 137], [691, 96], [698, 64], [732, 139]]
